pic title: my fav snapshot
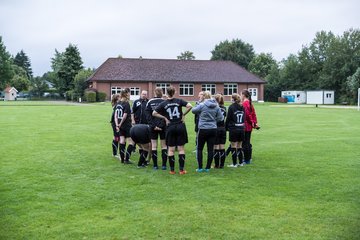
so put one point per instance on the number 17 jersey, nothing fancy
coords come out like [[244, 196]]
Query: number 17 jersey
[[172, 109]]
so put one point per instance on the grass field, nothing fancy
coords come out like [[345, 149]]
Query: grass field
[[58, 180]]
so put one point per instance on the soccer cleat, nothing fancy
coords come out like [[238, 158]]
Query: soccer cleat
[[247, 162], [240, 164], [163, 167], [155, 167], [206, 170], [128, 162], [199, 170], [142, 166], [182, 172], [233, 166], [116, 156], [172, 172]]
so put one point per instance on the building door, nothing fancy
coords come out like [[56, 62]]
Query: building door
[[254, 93]]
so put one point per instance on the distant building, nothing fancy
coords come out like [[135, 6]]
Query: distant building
[[10, 94], [189, 77]]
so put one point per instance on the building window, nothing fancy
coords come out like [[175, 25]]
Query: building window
[[135, 91], [209, 87], [328, 95], [115, 90], [230, 89], [163, 86], [186, 89], [253, 92]]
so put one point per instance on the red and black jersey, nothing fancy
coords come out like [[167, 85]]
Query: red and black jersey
[[121, 109], [151, 105], [172, 109], [223, 112], [235, 117], [251, 119]]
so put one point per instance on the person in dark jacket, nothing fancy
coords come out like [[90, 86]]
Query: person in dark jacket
[[115, 143], [138, 114], [235, 124], [209, 114], [157, 129]]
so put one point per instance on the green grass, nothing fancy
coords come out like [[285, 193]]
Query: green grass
[[58, 180]]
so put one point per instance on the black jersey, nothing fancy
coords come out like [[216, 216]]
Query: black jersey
[[112, 121], [151, 105], [121, 109], [172, 109], [138, 109], [223, 112], [235, 117]]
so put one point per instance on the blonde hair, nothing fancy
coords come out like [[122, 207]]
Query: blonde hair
[[236, 98], [207, 95], [114, 99], [158, 92], [220, 99]]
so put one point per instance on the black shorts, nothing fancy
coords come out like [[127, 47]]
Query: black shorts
[[154, 134], [220, 136], [140, 133], [176, 135], [236, 135], [125, 132]]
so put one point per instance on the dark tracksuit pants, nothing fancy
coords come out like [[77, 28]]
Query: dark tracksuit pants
[[207, 136], [247, 148]]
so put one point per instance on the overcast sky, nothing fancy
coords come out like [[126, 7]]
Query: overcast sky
[[165, 28]]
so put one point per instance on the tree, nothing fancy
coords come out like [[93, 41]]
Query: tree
[[19, 80], [6, 72], [22, 60], [39, 86], [353, 84], [187, 55], [237, 51], [261, 64], [70, 65], [80, 83]]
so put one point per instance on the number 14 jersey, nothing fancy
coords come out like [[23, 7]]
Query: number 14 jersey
[[172, 109]]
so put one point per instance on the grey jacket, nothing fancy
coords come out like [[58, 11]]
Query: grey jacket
[[209, 114]]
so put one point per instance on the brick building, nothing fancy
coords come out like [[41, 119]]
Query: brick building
[[188, 77]]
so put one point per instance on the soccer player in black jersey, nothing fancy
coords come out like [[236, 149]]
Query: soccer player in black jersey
[[235, 124], [115, 143], [157, 129], [219, 147], [176, 135], [123, 124]]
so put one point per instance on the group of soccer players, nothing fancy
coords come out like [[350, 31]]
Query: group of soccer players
[[164, 118]]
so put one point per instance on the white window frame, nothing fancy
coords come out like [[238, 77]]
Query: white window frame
[[134, 91], [163, 86], [209, 87], [230, 86], [186, 89], [115, 90], [252, 91]]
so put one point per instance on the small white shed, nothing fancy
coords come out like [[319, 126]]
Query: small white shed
[[294, 96], [10, 94], [320, 97]]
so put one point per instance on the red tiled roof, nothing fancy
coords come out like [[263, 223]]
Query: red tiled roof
[[8, 89], [168, 70]]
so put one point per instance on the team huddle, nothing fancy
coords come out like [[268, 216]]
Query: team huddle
[[164, 118]]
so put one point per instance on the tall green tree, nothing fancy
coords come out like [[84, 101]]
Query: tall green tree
[[261, 64], [6, 72], [187, 55], [22, 60], [353, 84], [70, 65], [236, 50], [80, 83], [20, 79]]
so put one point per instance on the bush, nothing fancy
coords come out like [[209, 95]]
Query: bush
[[101, 97], [90, 96], [70, 95]]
